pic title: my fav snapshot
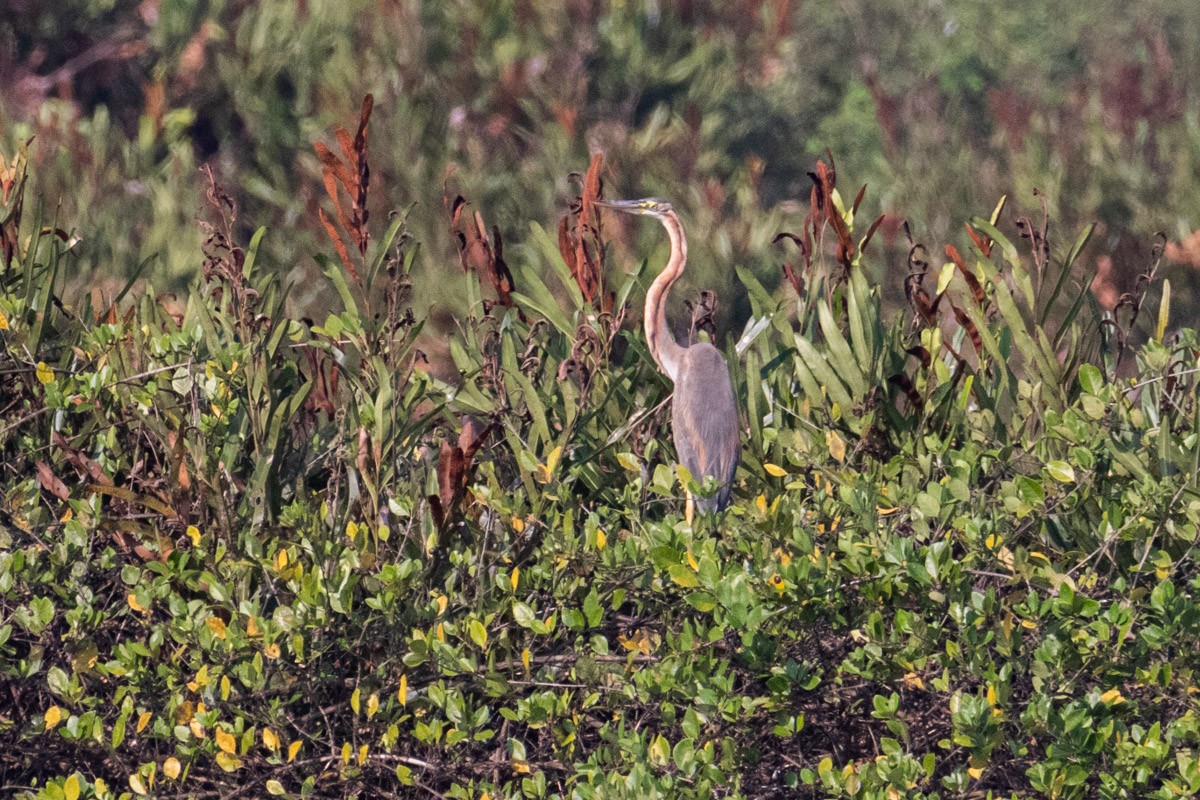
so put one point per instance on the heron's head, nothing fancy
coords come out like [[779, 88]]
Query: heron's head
[[650, 206]]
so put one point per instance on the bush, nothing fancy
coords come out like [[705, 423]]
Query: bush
[[247, 553]]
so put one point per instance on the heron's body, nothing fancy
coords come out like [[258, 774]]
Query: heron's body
[[705, 423], [703, 410]]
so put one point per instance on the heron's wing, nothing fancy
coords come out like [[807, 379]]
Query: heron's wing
[[705, 421]]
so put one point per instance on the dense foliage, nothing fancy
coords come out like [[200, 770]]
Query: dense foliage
[[246, 552]]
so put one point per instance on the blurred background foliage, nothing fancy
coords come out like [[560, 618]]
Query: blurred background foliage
[[720, 106]]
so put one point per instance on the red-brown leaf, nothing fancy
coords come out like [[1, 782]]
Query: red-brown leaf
[[906, 385], [969, 327], [968, 276], [984, 243], [50, 481], [871, 232], [337, 243]]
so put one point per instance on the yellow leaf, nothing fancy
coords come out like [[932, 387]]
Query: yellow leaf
[[135, 783], [362, 755], [352, 530], [71, 787], [225, 687], [991, 695], [785, 558], [837, 447], [44, 373], [402, 692], [228, 761], [194, 534], [525, 656], [442, 602], [912, 680], [202, 676], [3, 321], [514, 577], [355, 699], [346, 752], [271, 651], [441, 632], [270, 740], [1112, 697], [691, 559], [131, 598], [217, 626], [372, 704], [639, 641], [252, 628], [944, 276], [172, 768], [760, 503], [518, 524], [629, 462], [225, 740], [775, 471], [553, 458], [281, 560], [53, 716], [143, 720], [601, 539], [521, 767], [196, 728], [293, 749], [975, 772]]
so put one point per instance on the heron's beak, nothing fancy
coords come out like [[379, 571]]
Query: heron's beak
[[629, 206]]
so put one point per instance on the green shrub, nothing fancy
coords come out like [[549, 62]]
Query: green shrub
[[245, 553]]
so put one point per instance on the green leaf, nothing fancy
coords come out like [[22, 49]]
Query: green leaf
[[1091, 380], [478, 633], [683, 576], [524, 615], [592, 609], [1061, 471]]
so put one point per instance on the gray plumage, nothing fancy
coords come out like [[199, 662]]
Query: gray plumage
[[703, 412]]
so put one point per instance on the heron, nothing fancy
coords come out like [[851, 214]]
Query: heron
[[704, 417]]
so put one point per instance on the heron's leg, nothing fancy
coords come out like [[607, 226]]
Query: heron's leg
[[689, 510]]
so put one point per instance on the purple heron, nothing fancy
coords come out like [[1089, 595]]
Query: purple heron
[[704, 417]]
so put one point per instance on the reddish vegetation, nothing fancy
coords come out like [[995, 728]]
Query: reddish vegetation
[[354, 178], [479, 254], [580, 240], [456, 465]]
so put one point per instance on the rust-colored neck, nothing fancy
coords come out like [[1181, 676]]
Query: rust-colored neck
[[666, 351]]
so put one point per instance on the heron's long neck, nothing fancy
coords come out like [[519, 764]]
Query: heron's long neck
[[666, 351]]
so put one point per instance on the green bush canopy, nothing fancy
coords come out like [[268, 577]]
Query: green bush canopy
[[246, 553]]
